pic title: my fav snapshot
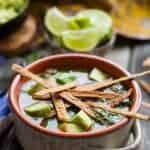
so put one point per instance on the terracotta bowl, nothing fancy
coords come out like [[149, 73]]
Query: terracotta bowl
[[33, 136]]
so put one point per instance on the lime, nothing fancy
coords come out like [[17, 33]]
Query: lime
[[56, 22], [81, 32], [83, 21], [98, 19], [83, 40], [73, 25]]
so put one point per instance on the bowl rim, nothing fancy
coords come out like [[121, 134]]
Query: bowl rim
[[103, 131]]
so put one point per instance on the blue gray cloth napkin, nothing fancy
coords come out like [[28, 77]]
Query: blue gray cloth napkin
[[4, 108]]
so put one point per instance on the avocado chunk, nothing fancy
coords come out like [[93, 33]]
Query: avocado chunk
[[83, 120], [97, 75], [35, 88], [64, 77], [70, 127], [40, 109]]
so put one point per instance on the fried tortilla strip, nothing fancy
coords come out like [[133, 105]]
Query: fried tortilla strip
[[118, 100], [53, 112], [45, 94], [107, 83], [94, 94], [145, 85], [118, 111], [60, 109], [42, 95], [49, 89], [78, 103], [26, 73], [51, 115], [92, 86], [146, 62], [145, 104]]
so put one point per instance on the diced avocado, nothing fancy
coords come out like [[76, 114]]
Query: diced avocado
[[83, 120], [40, 109], [97, 75], [35, 88], [64, 77], [70, 127]]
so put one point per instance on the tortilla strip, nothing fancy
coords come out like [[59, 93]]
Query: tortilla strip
[[145, 85], [53, 112], [146, 62], [146, 105], [118, 111], [45, 93], [26, 73], [78, 103], [94, 94], [107, 83], [60, 109], [49, 88], [118, 100], [92, 86]]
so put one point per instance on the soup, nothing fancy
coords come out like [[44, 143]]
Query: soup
[[72, 109]]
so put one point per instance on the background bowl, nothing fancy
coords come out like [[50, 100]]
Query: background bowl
[[13, 24], [33, 136]]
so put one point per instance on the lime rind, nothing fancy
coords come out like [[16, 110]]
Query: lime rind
[[82, 40], [56, 22]]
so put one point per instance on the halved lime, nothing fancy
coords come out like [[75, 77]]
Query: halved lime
[[73, 25], [56, 22], [83, 21], [83, 40], [98, 19], [82, 32]]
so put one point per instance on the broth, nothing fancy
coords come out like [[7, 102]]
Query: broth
[[61, 77]]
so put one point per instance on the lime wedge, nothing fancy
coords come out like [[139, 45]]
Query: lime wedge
[[82, 32], [81, 40], [73, 25], [56, 22], [98, 19], [83, 21]]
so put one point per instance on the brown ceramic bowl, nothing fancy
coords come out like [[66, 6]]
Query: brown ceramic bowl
[[33, 136]]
